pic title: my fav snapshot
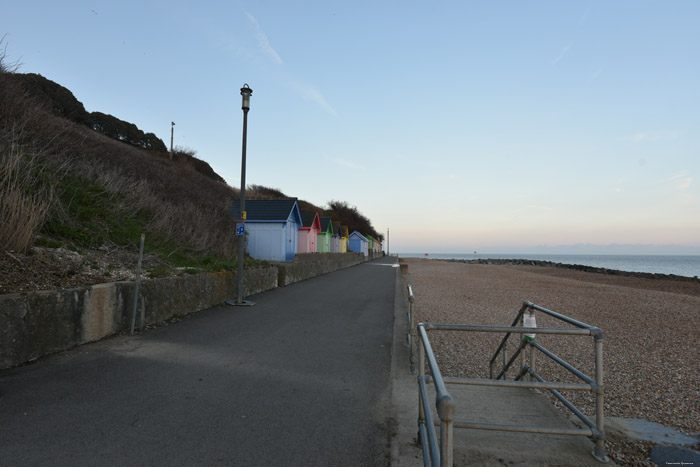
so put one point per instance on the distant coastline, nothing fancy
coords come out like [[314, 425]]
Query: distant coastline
[[686, 268]]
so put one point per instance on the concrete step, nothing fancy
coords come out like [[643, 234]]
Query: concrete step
[[514, 406]]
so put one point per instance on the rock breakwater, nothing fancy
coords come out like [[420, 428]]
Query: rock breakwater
[[576, 267]]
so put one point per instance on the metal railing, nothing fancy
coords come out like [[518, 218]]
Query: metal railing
[[409, 337], [445, 404]]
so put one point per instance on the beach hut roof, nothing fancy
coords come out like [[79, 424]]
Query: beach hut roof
[[268, 210], [327, 224], [309, 218], [358, 235]]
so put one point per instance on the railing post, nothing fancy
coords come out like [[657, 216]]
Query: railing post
[[599, 451], [446, 411], [421, 374], [505, 359], [411, 320], [522, 353]]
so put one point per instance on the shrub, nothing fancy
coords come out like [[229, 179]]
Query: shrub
[[24, 200]]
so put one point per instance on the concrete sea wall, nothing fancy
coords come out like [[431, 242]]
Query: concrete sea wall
[[40, 323], [310, 265]]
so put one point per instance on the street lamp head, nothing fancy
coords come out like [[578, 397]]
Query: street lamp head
[[246, 92]]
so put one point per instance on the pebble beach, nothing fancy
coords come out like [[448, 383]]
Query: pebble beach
[[651, 326]]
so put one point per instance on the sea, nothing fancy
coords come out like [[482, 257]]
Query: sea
[[660, 264]]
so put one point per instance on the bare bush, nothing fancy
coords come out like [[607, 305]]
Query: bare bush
[[24, 200], [5, 65]]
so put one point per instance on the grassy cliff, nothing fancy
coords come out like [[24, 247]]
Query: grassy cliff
[[69, 183]]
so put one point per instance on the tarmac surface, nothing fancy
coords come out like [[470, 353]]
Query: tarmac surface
[[300, 379]]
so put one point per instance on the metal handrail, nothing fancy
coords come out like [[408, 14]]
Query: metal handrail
[[409, 337], [444, 403], [447, 423]]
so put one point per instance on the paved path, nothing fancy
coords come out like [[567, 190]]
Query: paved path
[[300, 379]]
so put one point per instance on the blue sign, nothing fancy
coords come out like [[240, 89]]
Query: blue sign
[[240, 229]]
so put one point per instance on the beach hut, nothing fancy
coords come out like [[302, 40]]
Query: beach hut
[[335, 239], [357, 243], [370, 242], [344, 238], [271, 227], [324, 236], [308, 232]]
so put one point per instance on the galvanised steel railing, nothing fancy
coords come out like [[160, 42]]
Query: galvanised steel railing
[[446, 406], [435, 455], [409, 337]]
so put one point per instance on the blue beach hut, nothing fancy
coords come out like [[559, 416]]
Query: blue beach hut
[[271, 228], [358, 243]]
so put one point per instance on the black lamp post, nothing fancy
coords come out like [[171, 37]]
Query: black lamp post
[[240, 227]]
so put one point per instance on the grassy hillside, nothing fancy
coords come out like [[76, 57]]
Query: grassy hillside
[[64, 184], [67, 186]]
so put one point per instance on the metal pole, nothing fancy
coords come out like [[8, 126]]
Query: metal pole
[[522, 338], [599, 450], [446, 442], [138, 282], [411, 321], [245, 92], [172, 133], [241, 242], [421, 373]]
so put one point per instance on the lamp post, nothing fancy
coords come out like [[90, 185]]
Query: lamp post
[[172, 133], [245, 92]]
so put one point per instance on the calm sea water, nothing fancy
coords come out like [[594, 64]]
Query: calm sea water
[[678, 265]]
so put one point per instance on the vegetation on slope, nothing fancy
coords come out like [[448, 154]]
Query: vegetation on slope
[[340, 211], [66, 184]]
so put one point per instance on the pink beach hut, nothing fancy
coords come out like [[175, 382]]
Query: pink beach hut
[[308, 232]]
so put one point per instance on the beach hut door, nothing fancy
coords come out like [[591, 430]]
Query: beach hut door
[[290, 236]]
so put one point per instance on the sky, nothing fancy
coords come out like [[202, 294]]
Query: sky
[[457, 126]]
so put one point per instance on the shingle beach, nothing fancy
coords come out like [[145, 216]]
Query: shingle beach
[[651, 326]]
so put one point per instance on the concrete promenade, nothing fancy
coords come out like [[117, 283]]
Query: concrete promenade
[[315, 374], [300, 379]]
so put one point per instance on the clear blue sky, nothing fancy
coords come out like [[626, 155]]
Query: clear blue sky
[[460, 126]]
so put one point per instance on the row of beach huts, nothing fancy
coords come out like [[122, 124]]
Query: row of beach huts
[[277, 230]]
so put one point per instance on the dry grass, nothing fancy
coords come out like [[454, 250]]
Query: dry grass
[[180, 202], [24, 201]]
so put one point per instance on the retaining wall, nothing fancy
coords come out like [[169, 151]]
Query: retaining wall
[[308, 265], [39, 323]]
